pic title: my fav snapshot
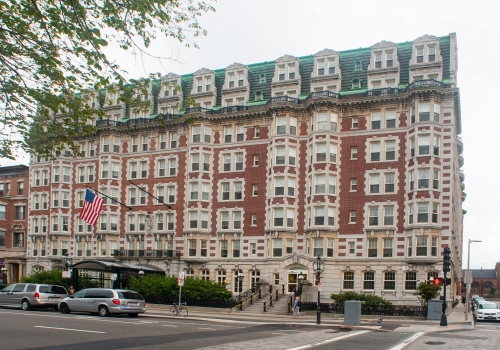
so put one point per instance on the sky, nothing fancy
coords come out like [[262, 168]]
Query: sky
[[251, 31]]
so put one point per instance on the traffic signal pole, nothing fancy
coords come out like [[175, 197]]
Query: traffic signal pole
[[446, 268]]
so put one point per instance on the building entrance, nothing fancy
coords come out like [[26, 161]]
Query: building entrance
[[293, 278]]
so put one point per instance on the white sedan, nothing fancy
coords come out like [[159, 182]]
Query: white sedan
[[487, 311]]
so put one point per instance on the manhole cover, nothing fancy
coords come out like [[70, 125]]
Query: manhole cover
[[435, 342]]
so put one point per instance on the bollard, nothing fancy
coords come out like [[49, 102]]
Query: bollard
[[241, 305], [260, 296], [251, 300], [271, 300], [270, 289], [282, 289], [277, 291], [264, 306]]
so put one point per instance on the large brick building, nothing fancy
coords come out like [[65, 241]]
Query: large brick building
[[353, 156], [14, 182]]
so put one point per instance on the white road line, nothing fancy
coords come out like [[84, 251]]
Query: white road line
[[70, 329], [407, 341], [168, 325], [307, 346], [212, 329], [280, 333]]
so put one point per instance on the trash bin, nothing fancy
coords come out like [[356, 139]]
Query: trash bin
[[352, 313]]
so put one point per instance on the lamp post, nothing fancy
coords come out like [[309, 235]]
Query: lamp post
[[67, 261], [4, 272], [469, 275], [318, 267], [240, 283], [141, 272], [300, 278]]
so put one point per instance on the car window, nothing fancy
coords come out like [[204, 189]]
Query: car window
[[487, 306], [8, 288], [52, 290], [93, 293], [130, 295], [80, 294], [31, 288], [107, 293], [19, 287]]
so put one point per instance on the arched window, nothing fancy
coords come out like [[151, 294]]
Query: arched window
[[259, 96], [487, 288], [475, 288]]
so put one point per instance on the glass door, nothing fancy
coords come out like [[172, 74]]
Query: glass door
[[293, 279]]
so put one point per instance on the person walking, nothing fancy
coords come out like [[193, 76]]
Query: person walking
[[463, 299], [296, 307]]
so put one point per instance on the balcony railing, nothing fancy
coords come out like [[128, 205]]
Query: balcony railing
[[146, 253], [382, 92], [325, 93], [232, 109], [425, 82], [199, 110], [285, 98]]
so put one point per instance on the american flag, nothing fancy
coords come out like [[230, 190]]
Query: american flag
[[91, 208]]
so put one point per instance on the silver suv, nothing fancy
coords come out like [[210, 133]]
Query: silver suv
[[30, 295], [104, 302]]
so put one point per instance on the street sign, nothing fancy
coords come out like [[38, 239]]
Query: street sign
[[66, 274], [319, 286], [181, 274], [180, 281]]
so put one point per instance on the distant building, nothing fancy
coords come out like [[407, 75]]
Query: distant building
[[353, 156], [484, 281], [14, 186]]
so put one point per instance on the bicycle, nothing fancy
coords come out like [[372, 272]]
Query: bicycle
[[179, 310]]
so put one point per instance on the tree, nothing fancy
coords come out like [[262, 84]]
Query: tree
[[53, 51], [45, 277], [426, 292]]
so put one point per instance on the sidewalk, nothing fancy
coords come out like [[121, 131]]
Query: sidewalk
[[456, 320]]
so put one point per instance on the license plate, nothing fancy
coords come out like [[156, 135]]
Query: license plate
[[133, 304]]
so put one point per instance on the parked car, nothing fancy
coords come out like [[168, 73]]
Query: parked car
[[103, 301], [475, 300], [30, 295], [487, 311], [2, 286]]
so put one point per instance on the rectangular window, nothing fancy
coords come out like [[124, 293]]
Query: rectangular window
[[237, 220], [355, 123], [388, 216], [354, 184], [390, 150], [354, 152], [372, 248], [348, 280], [240, 132], [389, 183], [423, 212], [351, 248], [387, 247], [329, 248], [422, 246], [277, 247], [375, 120], [435, 180], [369, 280], [254, 220], [424, 112], [255, 160], [373, 219], [321, 152], [434, 246], [223, 249], [253, 248], [289, 246], [437, 142], [412, 180], [239, 161], [423, 179], [318, 247], [435, 213], [411, 280], [389, 280], [424, 142], [374, 183], [375, 151], [236, 249], [436, 112], [410, 213], [432, 54], [352, 216]]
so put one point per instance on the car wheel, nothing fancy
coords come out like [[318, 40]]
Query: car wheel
[[133, 315], [103, 311], [25, 305], [64, 308]]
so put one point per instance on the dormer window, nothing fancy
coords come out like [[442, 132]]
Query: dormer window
[[262, 78], [167, 93], [356, 84], [420, 55], [357, 66], [208, 84], [331, 66], [291, 72], [231, 80], [390, 61], [321, 68], [378, 60], [199, 85], [432, 54], [240, 79], [259, 96], [282, 73]]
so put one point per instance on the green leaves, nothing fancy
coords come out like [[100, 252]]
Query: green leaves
[[367, 299], [426, 292], [53, 50]]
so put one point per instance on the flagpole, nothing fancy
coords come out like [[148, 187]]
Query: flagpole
[[114, 200], [143, 190]]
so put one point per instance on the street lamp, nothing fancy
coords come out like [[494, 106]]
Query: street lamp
[[469, 277], [240, 282], [67, 261], [318, 267], [141, 272], [4, 272], [300, 277]]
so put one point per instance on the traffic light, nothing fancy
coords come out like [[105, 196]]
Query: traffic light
[[448, 281], [446, 259], [438, 281]]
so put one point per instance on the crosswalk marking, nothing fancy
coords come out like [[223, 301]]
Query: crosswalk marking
[[331, 340]]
